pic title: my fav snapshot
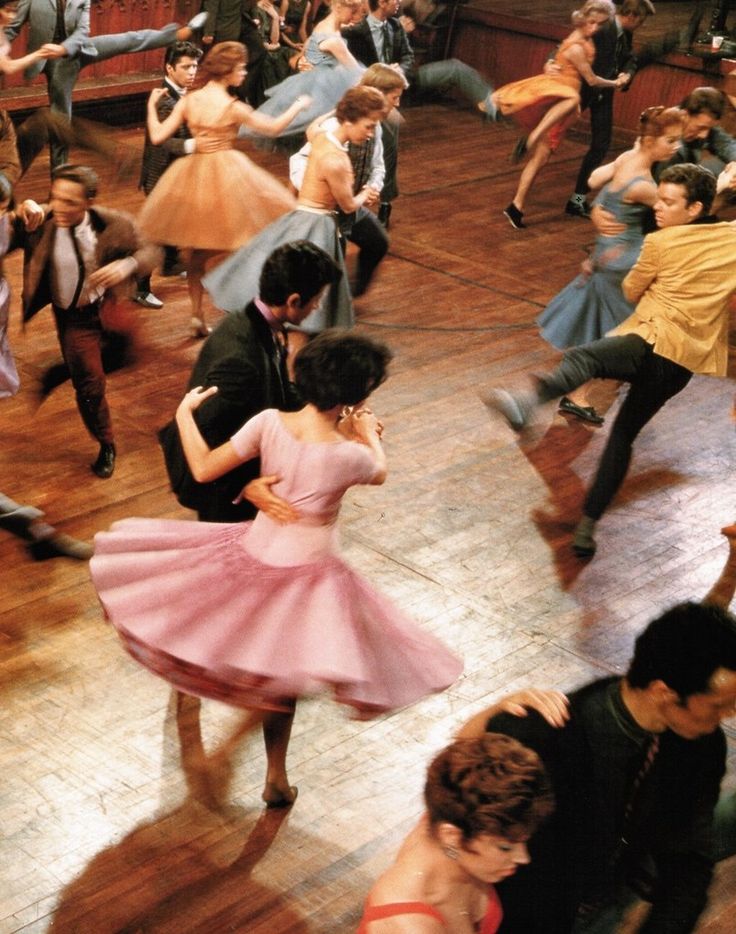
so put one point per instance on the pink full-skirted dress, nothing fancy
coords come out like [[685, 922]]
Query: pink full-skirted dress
[[252, 613]]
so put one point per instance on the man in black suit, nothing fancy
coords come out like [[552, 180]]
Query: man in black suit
[[380, 37], [245, 357], [180, 69], [613, 58]]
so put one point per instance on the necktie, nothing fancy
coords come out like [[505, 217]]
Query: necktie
[[644, 769], [60, 28], [386, 45]]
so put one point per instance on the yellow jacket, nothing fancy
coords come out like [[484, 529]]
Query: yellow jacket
[[682, 283]]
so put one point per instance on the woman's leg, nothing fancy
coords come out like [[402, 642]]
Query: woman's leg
[[558, 112], [276, 734], [195, 272], [539, 158]]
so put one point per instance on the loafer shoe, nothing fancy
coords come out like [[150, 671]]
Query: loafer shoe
[[585, 413], [149, 300], [104, 466], [516, 408], [59, 545], [583, 542], [198, 21], [577, 209]]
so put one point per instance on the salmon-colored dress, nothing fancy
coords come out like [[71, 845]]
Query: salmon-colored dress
[[529, 99], [215, 200]]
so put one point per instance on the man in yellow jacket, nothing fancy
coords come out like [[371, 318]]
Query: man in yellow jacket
[[682, 284]]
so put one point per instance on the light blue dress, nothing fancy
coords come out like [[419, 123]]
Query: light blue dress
[[590, 306], [325, 83]]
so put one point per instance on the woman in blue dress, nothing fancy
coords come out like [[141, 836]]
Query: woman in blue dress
[[330, 70], [328, 184], [593, 303]]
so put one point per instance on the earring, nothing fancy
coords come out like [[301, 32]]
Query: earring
[[450, 852]]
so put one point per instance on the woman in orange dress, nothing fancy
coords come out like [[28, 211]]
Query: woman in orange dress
[[546, 105], [216, 199]]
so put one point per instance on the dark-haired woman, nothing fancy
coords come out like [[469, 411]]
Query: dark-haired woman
[[258, 614], [215, 200], [485, 798], [327, 185]]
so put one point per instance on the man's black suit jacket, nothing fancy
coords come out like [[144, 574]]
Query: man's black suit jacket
[[361, 45], [611, 58], [238, 358]]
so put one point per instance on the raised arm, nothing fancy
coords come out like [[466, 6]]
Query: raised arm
[[160, 130], [205, 463], [338, 47], [363, 426], [270, 126], [552, 705], [575, 55], [11, 66]]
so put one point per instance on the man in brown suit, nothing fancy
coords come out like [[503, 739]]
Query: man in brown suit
[[682, 284], [78, 260]]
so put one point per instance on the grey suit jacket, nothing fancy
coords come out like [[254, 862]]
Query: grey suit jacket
[[41, 18]]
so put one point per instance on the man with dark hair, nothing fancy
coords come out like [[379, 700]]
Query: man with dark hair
[[380, 37], [703, 141], [682, 284], [614, 58], [180, 69], [245, 357], [79, 257], [636, 773]]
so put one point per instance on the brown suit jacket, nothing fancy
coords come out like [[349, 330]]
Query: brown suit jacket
[[117, 237]]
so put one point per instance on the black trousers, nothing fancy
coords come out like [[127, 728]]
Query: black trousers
[[80, 338], [652, 381], [367, 233], [601, 127]]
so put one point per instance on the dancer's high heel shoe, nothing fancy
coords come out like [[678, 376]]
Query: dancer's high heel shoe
[[198, 329], [275, 798]]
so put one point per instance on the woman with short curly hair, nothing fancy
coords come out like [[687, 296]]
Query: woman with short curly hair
[[485, 798]]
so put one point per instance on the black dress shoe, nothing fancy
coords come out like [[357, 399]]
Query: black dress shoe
[[59, 545], [384, 213], [577, 208], [585, 413], [515, 216], [105, 463]]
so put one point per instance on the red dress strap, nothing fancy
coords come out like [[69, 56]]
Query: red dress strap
[[390, 910], [494, 913]]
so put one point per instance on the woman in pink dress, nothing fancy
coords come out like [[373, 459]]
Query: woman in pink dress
[[545, 105], [258, 614], [485, 798]]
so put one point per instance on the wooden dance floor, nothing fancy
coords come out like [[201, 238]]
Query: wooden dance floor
[[470, 534]]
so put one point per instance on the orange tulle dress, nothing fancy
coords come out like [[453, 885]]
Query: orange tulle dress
[[214, 200], [529, 99]]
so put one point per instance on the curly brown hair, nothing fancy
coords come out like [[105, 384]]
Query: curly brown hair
[[490, 785], [223, 57], [359, 102]]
